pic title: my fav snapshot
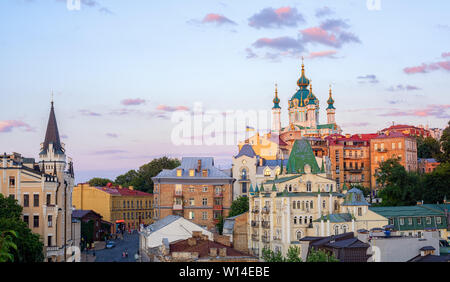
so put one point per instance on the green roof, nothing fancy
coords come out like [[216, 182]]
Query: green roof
[[301, 155], [335, 217], [282, 179], [405, 211], [330, 126]]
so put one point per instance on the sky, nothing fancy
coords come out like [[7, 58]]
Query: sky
[[120, 70]]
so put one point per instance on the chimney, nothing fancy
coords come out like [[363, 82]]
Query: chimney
[[223, 252], [196, 234], [222, 239], [192, 241], [363, 235], [213, 252], [199, 168]]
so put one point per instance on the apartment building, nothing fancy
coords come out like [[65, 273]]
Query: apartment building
[[196, 190]]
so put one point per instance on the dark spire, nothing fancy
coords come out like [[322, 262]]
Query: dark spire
[[52, 134]]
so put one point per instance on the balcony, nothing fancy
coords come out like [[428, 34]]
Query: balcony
[[177, 207], [276, 238], [53, 251], [178, 193], [265, 224], [218, 195], [381, 150], [51, 208], [254, 223], [217, 207]]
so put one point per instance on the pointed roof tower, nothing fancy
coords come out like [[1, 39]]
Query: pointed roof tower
[[330, 102], [52, 134], [276, 100], [301, 155]]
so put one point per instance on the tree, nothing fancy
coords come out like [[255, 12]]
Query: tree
[[6, 244], [270, 256], [100, 182], [320, 256], [365, 190], [239, 206], [427, 148], [219, 225], [142, 178], [399, 187], [29, 244], [436, 185], [293, 254], [444, 157]]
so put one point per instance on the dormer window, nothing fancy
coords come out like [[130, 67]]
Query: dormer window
[[205, 173], [179, 172], [192, 172]]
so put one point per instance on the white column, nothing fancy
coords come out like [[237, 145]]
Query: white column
[[289, 221], [322, 227], [331, 204], [328, 227], [319, 205], [353, 225]]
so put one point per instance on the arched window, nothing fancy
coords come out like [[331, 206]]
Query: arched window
[[267, 172], [295, 220], [298, 204], [244, 174], [306, 220], [307, 205], [344, 228], [290, 188], [336, 206], [303, 205], [300, 220], [336, 230], [331, 187], [310, 219], [299, 234], [293, 204], [311, 204]]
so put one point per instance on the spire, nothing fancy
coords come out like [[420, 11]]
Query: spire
[[330, 101], [276, 100], [303, 81], [52, 134]]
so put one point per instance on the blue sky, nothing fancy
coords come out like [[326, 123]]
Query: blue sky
[[388, 65]]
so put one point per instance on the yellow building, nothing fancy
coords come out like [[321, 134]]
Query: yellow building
[[124, 207]]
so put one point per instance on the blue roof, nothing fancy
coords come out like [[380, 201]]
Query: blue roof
[[188, 163], [246, 150], [274, 163], [355, 197]]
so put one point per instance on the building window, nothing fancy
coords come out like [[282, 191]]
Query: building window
[[179, 172], [336, 230], [204, 215], [267, 172], [36, 221], [49, 197], [409, 220], [205, 189], [36, 200], [50, 221], [399, 145], [323, 203], [191, 215], [402, 221], [26, 219], [311, 204], [191, 189], [26, 200], [12, 182], [191, 201], [49, 241], [438, 220], [128, 204], [359, 211], [244, 187], [205, 201], [295, 219], [191, 172], [419, 220], [344, 229], [428, 220], [244, 174], [308, 186]]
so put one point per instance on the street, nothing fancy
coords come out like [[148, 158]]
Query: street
[[130, 243]]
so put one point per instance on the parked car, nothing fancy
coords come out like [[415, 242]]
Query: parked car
[[110, 244]]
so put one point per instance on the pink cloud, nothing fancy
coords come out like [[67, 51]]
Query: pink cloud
[[276, 18], [317, 34], [328, 53], [424, 68], [445, 55], [218, 19], [133, 102], [437, 111], [171, 109], [8, 125]]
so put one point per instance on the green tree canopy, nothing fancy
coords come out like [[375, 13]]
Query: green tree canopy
[[142, 178], [100, 182], [320, 256], [239, 206], [445, 145], [428, 148], [29, 245], [7, 245]]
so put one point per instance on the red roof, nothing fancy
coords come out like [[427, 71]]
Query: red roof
[[123, 191], [202, 247]]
